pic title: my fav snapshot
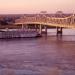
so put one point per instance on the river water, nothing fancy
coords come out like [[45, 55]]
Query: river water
[[49, 55]]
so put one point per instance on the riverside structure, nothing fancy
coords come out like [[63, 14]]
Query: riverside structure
[[38, 22], [43, 20]]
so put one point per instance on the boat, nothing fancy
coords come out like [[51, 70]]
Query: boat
[[18, 33]]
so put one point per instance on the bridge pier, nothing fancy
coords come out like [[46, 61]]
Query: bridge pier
[[59, 31], [45, 29], [40, 29], [42, 32]]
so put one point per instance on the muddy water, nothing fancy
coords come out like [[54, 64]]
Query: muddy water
[[38, 56]]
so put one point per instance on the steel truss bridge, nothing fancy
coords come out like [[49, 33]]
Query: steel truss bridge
[[66, 22]]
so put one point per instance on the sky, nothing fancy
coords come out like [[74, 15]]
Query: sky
[[35, 6]]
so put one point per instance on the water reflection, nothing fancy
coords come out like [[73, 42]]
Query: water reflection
[[40, 56]]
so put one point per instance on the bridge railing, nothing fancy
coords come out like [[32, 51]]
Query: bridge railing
[[67, 21]]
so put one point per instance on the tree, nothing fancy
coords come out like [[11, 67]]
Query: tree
[[59, 14]]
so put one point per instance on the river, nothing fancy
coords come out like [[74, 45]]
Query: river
[[39, 56]]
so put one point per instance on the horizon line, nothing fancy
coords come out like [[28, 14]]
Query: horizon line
[[32, 13]]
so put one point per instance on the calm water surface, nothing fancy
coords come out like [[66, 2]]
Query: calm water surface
[[38, 56]]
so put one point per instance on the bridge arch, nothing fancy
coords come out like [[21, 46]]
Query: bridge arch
[[67, 22]]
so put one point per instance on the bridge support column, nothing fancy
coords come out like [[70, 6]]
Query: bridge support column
[[59, 31], [40, 29], [46, 30]]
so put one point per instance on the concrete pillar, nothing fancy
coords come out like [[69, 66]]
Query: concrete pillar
[[45, 29], [40, 29], [59, 31]]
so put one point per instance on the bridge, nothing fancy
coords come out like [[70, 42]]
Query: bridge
[[66, 22]]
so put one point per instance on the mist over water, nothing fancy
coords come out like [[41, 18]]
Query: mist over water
[[39, 56]]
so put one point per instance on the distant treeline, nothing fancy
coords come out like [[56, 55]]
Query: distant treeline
[[10, 19], [7, 20]]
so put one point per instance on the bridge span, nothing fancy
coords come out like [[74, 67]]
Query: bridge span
[[59, 23]]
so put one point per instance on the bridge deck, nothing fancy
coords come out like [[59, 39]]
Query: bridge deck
[[68, 22]]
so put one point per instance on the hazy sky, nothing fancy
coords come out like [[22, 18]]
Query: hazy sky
[[35, 6]]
